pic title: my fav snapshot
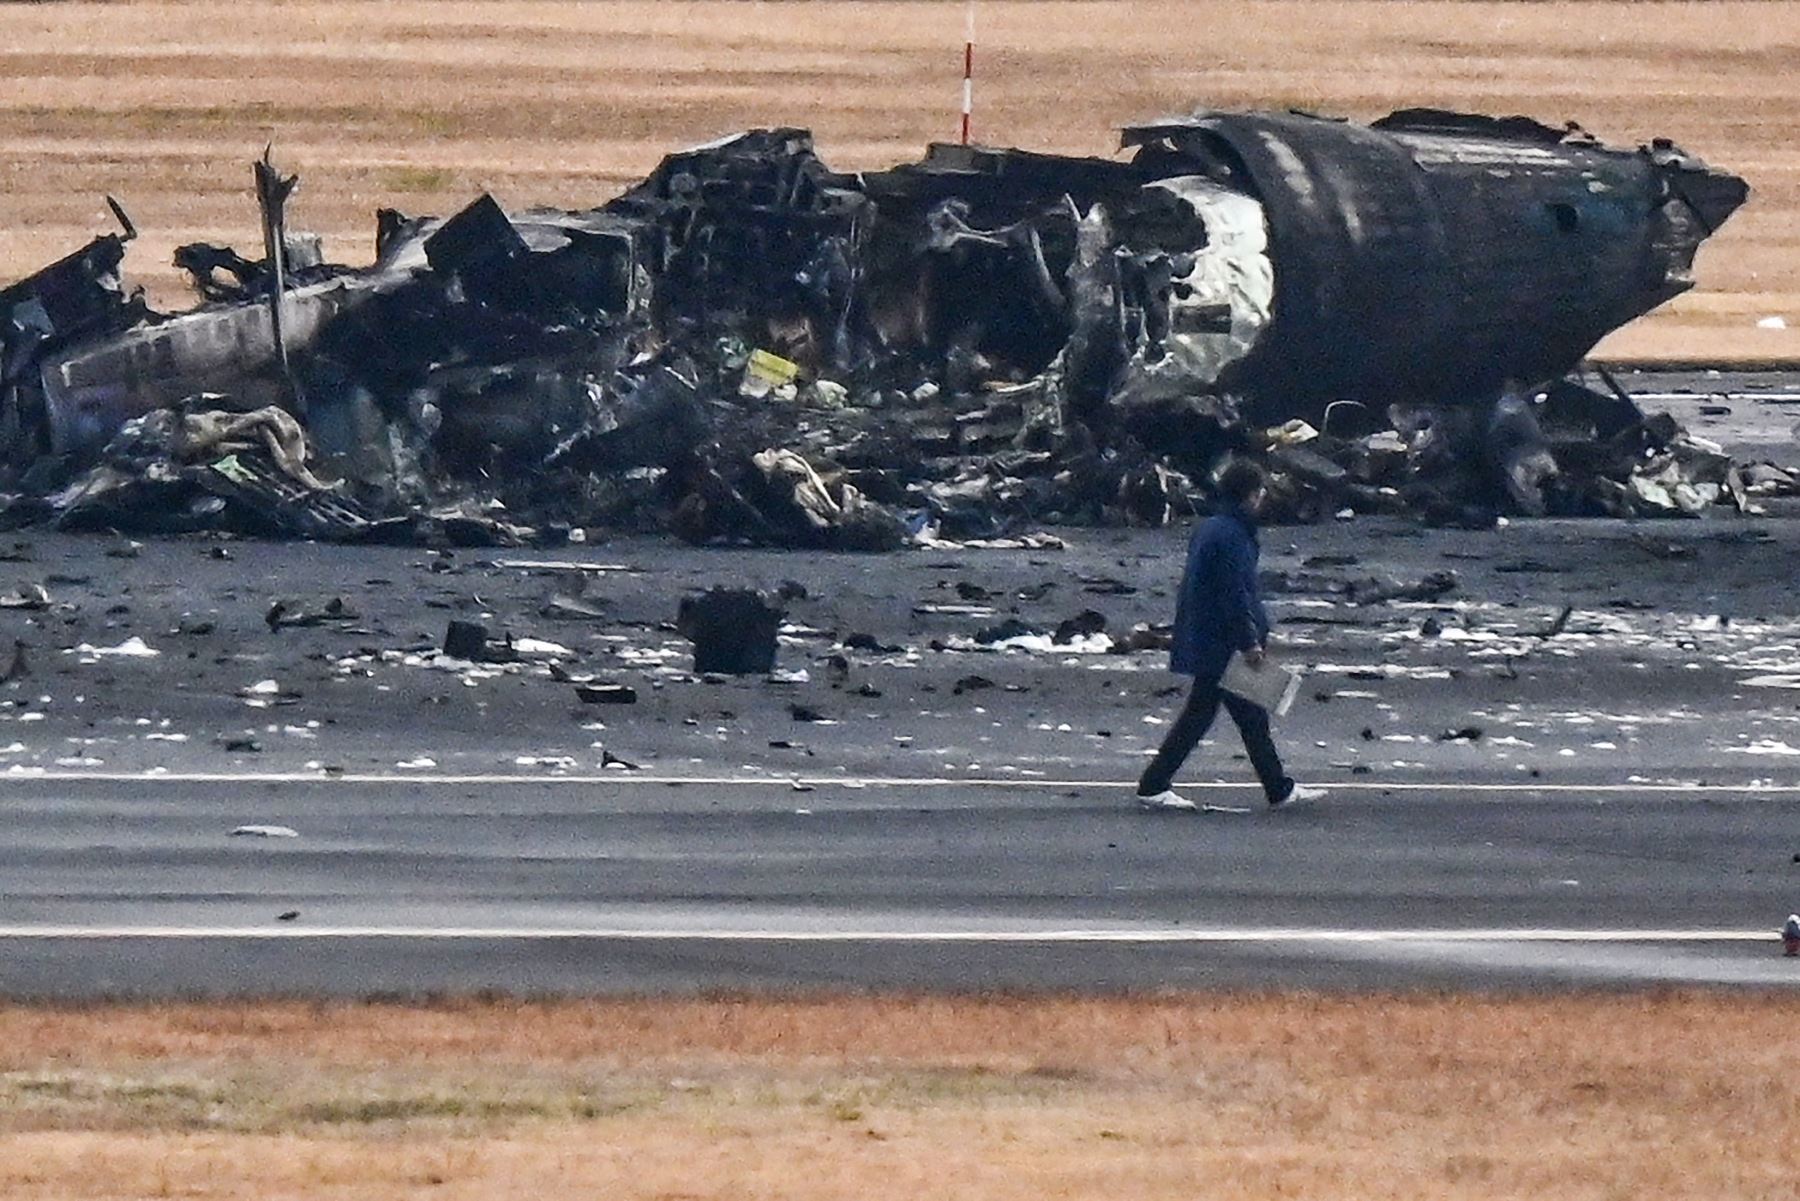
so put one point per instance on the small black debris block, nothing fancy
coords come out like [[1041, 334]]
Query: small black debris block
[[733, 631], [466, 640], [606, 694]]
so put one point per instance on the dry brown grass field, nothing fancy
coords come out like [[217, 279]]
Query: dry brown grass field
[[418, 105], [1248, 1096]]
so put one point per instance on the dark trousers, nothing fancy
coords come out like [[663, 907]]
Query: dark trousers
[[1191, 725]]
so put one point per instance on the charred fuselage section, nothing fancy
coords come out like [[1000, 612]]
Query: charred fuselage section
[[748, 344], [1433, 256]]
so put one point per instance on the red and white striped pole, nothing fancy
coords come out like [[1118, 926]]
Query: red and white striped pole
[[968, 98]]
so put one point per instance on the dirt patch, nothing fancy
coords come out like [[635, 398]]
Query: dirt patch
[[1245, 1096]]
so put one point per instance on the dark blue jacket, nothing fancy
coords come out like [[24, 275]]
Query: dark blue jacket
[[1220, 609]]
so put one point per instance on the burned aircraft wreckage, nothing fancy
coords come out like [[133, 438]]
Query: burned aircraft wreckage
[[748, 346]]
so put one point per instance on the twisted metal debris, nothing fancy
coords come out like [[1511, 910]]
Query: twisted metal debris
[[748, 346]]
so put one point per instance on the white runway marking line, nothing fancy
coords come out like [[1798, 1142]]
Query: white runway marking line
[[614, 779], [641, 934]]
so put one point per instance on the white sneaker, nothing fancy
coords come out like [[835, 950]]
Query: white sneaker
[[1167, 800], [1299, 794]]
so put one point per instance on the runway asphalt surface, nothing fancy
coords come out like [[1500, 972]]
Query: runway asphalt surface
[[138, 888], [1574, 769]]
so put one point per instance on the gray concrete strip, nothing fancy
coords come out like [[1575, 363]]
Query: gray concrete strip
[[362, 967], [861, 935]]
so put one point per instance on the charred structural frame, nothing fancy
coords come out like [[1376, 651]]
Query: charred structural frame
[[1234, 271]]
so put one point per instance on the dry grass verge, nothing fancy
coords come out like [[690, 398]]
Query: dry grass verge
[[1678, 1095]]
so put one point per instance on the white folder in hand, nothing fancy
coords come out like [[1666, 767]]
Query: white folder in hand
[[1271, 686]]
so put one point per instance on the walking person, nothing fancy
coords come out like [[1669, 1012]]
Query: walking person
[[1218, 614]]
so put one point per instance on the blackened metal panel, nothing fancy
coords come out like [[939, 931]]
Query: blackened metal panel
[[1551, 250], [1360, 259]]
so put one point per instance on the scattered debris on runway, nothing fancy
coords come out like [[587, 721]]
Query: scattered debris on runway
[[749, 347], [266, 832]]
